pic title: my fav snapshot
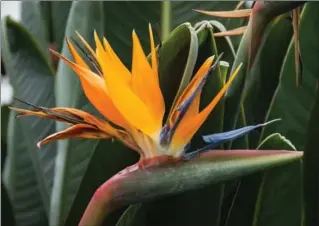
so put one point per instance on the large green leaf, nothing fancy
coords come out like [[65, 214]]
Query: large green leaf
[[54, 16], [311, 168], [32, 79], [143, 184], [7, 217], [263, 78], [132, 216], [32, 20], [279, 200], [261, 198], [4, 126], [290, 103], [20, 179]]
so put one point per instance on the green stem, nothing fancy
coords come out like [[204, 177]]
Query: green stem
[[166, 19]]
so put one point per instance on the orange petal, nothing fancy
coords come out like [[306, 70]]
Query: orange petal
[[187, 128], [78, 59], [76, 131], [194, 107], [240, 13], [131, 107], [24, 112], [115, 62], [95, 90], [145, 82]]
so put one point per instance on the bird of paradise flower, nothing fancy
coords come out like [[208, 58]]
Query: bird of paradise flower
[[133, 104]]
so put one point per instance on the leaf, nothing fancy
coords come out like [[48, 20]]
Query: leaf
[[311, 169], [290, 103], [32, 20], [132, 186], [20, 179], [262, 198], [4, 126], [279, 200], [177, 60], [7, 217], [262, 80], [29, 71], [130, 215], [55, 16]]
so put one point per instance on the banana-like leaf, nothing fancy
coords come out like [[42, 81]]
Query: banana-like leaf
[[20, 179], [311, 168], [32, 20], [262, 80], [32, 79], [290, 103], [54, 16], [261, 198], [278, 187], [4, 127], [140, 184], [129, 217], [7, 217]]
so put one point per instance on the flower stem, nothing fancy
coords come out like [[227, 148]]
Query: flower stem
[[166, 18]]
